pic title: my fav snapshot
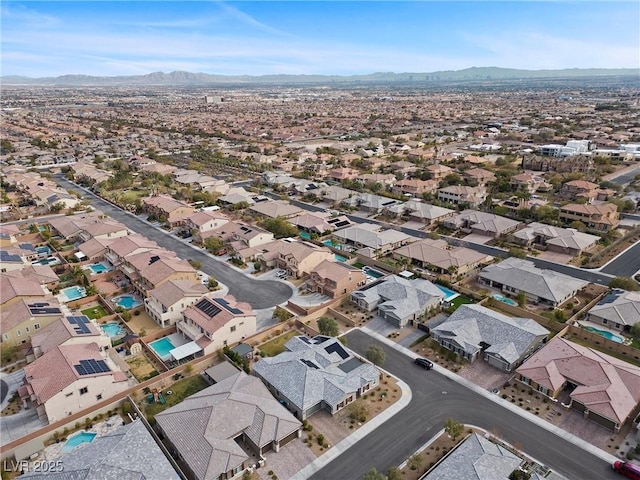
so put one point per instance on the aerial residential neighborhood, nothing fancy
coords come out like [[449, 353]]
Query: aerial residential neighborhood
[[266, 282]]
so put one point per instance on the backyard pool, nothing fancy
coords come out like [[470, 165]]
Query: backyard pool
[[98, 268], [329, 243], [605, 333], [47, 261], [72, 293], [305, 235], [78, 439], [127, 301], [448, 293], [43, 251], [112, 329], [340, 258], [372, 273], [504, 299], [162, 347]]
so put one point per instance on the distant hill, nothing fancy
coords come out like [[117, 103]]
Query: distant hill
[[188, 78]]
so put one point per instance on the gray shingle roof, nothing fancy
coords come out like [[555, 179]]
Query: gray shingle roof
[[308, 373], [524, 276], [618, 306], [508, 337], [128, 453]]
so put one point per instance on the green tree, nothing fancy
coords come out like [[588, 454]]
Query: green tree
[[559, 315], [578, 225], [195, 264], [518, 474], [415, 461], [280, 227], [375, 354], [328, 326], [214, 244], [212, 283], [522, 299], [453, 427], [374, 474], [56, 207], [517, 252], [625, 283], [394, 473], [635, 331]]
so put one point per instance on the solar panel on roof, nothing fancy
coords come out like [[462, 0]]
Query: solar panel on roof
[[335, 347], [208, 308], [81, 324], [309, 363], [225, 304], [342, 223]]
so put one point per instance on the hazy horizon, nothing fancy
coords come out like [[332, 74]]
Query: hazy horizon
[[113, 38]]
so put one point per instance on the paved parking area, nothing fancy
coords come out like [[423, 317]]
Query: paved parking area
[[556, 257], [484, 375], [407, 335], [291, 458]]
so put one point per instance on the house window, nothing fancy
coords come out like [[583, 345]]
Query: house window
[[99, 397], [36, 326], [233, 328], [604, 321], [543, 390], [68, 394], [5, 336], [525, 380], [27, 329], [19, 332], [84, 390]]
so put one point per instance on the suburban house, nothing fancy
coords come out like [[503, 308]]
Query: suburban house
[[236, 196], [211, 323], [104, 230], [67, 330], [603, 217], [478, 176], [582, 189], [119, 249], [439, 171], [203, 221], [149, 270], [398, 299], [415, 187], [70, 378], [26, 316], [335, 278], [224, 429], [618, 310], [504, 342], [555, 239], [545, 287], [166, 303], [167, 209], [314, 374], [44, 274], [605, 389], [128, 452], [458, 194], [69, 227], [247, 236], [438, 256], [299, 258], [274, 209], [529, 182], [426, 213], [93, 249], [369, 202], [477, 458], [14, 288], [482, 223], [373, 237], [319, 223]]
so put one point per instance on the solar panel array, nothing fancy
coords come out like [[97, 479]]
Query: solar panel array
[[81, 324], [43, 309], [336, 347], [309, 363], [225, 304], [208, 308], [612, 297], [90, 367]]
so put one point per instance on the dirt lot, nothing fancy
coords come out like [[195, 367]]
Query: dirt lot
[[140, 367]]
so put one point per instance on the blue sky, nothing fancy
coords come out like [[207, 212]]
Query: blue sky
[[299, 37]]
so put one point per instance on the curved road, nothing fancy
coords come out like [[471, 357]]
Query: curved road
[[436, 398], [257, 293]]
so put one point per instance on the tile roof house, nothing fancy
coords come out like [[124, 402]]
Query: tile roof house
[[529, 182], [275, 209], [319, 223], [482, 223], [398, 299], [556, 239], [106, 229], [70, 227], [42, 273], [421, 212], [127, 453], [545, 287], [213, 322], [26, 316], [207, 428], [478, 176], [458, 194], [619, 310], [149, 270], [67, 330], [335, 278], [14, 288], [604, 388], [369, 235], [203, 221], [477, 458], [164, 206], [439, 256], [602, 217], [165, 303], [70, 378], [94, 248], [299, 258], [370, 202], [415, 187], [439, 171], [314, 374], [503, 341]]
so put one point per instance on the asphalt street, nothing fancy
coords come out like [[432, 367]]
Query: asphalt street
[[258, 293], [626, 178], [626, 265], [436, 398]]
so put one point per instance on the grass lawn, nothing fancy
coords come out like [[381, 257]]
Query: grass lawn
[[180, 390], [460, 300], [94, 312], [276, 346], [358, 265]]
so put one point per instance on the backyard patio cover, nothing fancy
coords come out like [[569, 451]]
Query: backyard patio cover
[[185, 350]]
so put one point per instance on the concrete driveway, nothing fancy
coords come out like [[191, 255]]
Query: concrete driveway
[[408, 335], [245, 288]]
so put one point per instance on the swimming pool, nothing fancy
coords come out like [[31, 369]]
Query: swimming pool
[[162, 347], [78, 439], [329, 243], [448, 293], [372, 273], [112, 329], [504, 299], [305, 235], [605, 333], [47, 261], [127, 301], [339, 258], [43, 251], [98, 268], [73, 293]]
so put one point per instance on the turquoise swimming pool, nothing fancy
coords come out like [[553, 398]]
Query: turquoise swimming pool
[[162, 347], [605, 333], [448, 293], [127, 301], [372, 273], [78, 439], [98, 268], [340, 258], [73, 293], [504, 299], [112, 329]]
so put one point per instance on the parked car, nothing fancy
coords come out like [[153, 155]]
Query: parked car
[[424, 363]]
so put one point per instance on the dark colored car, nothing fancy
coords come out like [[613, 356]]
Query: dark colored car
[[424, 363]]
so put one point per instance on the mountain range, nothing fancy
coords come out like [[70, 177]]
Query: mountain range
[[188, 78]]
